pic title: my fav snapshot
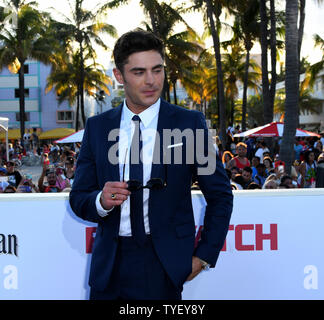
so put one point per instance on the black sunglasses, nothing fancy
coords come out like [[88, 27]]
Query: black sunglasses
[[152, 184]]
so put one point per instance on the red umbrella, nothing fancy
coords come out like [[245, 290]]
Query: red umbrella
[[273, 129]]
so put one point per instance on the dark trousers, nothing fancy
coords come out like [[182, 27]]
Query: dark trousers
[[137, 275]]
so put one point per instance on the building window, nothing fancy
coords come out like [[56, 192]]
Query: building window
[[26, 68], [27, 116], [64, 116], [17, 93]]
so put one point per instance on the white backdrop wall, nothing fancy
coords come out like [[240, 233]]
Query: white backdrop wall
[[273, 250]]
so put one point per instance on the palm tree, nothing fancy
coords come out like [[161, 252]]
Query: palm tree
[[246, 29], [306, 102], [291, 85], [84, 29], [314, 69], [199, 80], [180, 48], [270, 34], [215, 9], [234, 68], [29, 39], [65, 79]]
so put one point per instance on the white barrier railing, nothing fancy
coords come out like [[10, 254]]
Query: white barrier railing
[[273, 250]]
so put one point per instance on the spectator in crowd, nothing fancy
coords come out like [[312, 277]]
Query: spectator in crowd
[[234, 172], [255, 161], [35, 140], [69, 169], [26, 139], [318, 148], [51, 181], [11, 150], [227, 156], [247, 176], [268, 165], [26, 185], [308, 170], [261, 175], [286, 181], [10, 189], [298, 149], [13, 174], [238, 182], [61, 181], [253, 186], [261, 148], [270, 184], [320, 171], [240, 161], [3, 179], [46, 160]]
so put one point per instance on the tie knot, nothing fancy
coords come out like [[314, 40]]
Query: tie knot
[[136, 118]]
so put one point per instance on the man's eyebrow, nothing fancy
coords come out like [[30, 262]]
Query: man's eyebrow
[[158, 66]]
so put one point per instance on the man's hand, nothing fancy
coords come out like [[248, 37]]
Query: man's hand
[[119, 189], [196, 268]]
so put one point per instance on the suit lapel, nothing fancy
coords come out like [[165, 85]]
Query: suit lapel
[[166, 121], [114, 123]]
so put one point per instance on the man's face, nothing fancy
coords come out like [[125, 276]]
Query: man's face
[[143, 79], [241, 151], [255, 162], [246, 175], [10, 167], [51, 179]]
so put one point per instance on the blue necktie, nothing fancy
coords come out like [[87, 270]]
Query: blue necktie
[[136, 173]]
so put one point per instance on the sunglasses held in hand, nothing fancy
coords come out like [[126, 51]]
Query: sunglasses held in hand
[[152, 184]]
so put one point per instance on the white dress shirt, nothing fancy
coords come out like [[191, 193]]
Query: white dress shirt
[[148, 125]]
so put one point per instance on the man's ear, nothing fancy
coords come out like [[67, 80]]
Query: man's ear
[[118, 75]]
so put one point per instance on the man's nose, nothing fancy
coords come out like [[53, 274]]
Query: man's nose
[[149, 79]]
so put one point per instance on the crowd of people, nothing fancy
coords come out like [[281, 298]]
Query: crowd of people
[[58, 167], [252, 164]]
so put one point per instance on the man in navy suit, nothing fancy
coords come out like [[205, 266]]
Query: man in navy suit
[[133, 178]]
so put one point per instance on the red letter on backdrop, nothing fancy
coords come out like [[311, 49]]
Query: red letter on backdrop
[[89, 238], [239, 235], [260, 236]]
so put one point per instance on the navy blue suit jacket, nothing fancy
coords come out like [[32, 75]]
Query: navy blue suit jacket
[[170, 213]]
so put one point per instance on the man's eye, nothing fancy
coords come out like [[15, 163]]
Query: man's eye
[[138, 73], [157, 70]]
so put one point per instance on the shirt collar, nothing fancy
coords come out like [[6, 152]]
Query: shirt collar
[[146, 116]]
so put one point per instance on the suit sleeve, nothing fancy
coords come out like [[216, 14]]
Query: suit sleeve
[[85, 186], [216, 188]]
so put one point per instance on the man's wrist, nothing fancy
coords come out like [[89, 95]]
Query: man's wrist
[[101, 203], [204, 264], [100, 209]]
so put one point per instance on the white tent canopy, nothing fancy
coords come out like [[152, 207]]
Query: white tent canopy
[[4, 126], [74, 137]]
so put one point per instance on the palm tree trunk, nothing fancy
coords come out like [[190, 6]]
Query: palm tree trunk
[[245, 84], [273, 47], [77, 111], [300, 36], [82, 85], [22, 99], [291, 84], [175, 92], [220, 83], [267, 114]]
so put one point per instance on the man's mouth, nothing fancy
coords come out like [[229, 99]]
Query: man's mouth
[[149, 92]]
